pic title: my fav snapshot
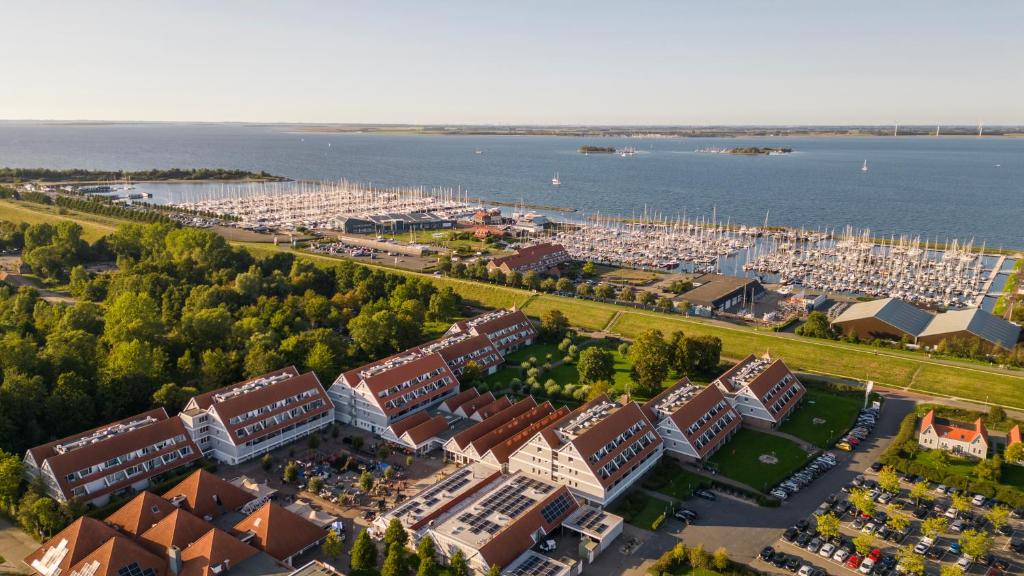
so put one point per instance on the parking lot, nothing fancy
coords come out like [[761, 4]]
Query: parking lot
[[799, 546]]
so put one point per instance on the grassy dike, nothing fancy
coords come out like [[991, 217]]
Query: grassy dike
[[886, 367]]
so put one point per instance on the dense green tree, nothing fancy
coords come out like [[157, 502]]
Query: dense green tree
[[333, 546], [11, 474], [173, 397], [133, 316], [595, 364], [457, 565], [394, 562], [553, 326], [817, 326], [395, 534], [363, 553], [649, 354]]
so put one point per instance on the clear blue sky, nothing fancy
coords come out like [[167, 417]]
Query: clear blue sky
[[551, 62]]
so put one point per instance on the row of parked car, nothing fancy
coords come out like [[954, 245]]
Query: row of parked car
[[804, 476], [866, 421]]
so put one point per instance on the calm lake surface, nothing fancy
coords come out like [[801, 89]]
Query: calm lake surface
[[937, 188]]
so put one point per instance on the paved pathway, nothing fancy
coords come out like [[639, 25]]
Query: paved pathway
[[15, 545]]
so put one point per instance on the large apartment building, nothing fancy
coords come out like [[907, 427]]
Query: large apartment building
[[508, 329], [113, 459], [693, 422], [762, 390], [375, 396], [245, 420], [597, 451]]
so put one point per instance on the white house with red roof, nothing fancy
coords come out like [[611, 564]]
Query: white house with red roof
[[693, 422], [536, 258], [597, 451], [763, 391], [246, 420], [114, 459], [956, 438]]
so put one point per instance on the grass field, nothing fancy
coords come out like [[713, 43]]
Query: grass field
[[837, 409], [93, 226], [539, 351], [739, 459], [887, 368], [581, 313], [640, 509]]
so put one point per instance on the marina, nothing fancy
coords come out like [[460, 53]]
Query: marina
[[909, 269], [289, 206]]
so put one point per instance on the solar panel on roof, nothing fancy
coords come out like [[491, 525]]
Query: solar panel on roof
[[554, 510], [133, 569]]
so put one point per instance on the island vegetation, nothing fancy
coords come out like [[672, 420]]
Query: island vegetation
[[759, 151], [71, 175], [597, 150]]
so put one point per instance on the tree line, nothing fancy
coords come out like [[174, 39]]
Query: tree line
[[16, 175]]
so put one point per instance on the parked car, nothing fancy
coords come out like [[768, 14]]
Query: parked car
[[841, 555], [766, 553], [853, 561], [814, 545], [687, 514], [780, 559], [790, 534], [706, 494], [827, 550], [924, 545]]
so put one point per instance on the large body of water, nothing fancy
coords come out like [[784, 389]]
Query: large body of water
[[937, 188]]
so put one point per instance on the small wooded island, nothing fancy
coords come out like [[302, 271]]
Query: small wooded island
[[597, 150], [756, 151], [78, 175]]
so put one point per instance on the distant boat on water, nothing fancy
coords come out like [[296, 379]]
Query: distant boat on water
[[864, 168], [556, 181]]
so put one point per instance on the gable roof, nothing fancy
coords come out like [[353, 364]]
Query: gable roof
[[110, 441], [179, 529], [279, 532], [464, 438], [453, 403], [117, 554], [427, 430], [212, 549], [982, 324], [69, 546], [207, 494], [958, 431], [1013, 436], [530, 256], [504, 449], [893, 311], [470, 408], [246, 397], [140, 513]]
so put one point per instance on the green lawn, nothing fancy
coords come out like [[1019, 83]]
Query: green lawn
[[739, 459], [1013, 475], [669, 478], [539, 351], [837, 410], [581, 313], [640, 509]]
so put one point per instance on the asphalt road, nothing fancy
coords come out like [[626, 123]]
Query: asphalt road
[[744, 528]]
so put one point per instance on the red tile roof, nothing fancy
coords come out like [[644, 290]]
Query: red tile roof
[[534, 256], [415, 366], [517, 536], [470, 408], [535, 420], [485, 412], [116, 554], [211, 550], [292, 384], [79, 539], [1014, 435], [459, 399], [179, 529], [209, 495], [463, 438], [411, 421], [954, 430], [105, 448], [427, 430], [279, 532], [140, 513]]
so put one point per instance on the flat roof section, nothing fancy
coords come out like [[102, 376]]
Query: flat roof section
[[433, 501]]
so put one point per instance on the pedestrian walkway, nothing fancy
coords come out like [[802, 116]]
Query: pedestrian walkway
[[15, 545]]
